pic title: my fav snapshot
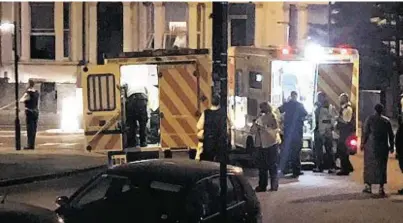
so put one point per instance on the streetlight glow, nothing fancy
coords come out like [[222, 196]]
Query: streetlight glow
[[11, 27]]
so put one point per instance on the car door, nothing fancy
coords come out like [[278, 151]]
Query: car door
[[99, 202], [235, 201]]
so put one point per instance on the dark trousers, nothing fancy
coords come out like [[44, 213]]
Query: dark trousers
[[32, 123], [208, 156], [296, 147], [134, 122], [324, 160], [267, 164], [345, 164]]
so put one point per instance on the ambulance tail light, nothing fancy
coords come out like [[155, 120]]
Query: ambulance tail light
[[285, 51], [352, 144]]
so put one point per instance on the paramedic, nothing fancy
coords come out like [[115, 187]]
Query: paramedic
[[294, 116], [346, 128], [30, 99], [323, 134], [211, 131], [137, 116]]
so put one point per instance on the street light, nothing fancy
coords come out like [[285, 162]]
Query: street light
[[11, 27]]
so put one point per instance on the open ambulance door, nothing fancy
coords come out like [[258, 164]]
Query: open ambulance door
[[102, 107], [335, 79], [181, 98]]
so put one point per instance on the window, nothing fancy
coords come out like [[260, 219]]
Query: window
[[255, 80], [104, 187], [215, 191], [150, 25], [101, 92], [238, 82], [199, 202], [252, 107], [175, 34], [66, 29], [42, 30], [201, 10]]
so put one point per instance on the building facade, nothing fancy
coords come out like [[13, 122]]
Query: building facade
[[53, 37]]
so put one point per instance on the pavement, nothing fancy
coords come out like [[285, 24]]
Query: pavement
[[56, 155]]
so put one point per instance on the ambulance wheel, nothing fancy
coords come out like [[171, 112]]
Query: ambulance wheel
[[249, 145]]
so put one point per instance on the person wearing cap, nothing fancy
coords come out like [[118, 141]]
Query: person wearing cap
[[31, 100], [346, 128]]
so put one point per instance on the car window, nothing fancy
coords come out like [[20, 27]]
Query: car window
[[215, 191], [104, 187], [199, 203], [238, 190]]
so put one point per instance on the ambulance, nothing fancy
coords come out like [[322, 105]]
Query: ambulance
[[179, 85], [269, 74]]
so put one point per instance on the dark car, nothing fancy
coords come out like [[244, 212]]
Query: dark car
[[161, 191], [11, 212]]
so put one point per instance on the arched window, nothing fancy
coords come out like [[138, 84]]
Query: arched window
[[201, 11]]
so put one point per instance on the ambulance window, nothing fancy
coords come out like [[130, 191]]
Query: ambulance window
[[255, 80], [101, 92], [252, 107]]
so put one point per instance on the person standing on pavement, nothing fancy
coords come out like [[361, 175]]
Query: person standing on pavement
[[211, 131], [137, 115], [31, 99], [294, 116], [267, 140], [346, 129], [323, 134], [399, 146], [378, 141]]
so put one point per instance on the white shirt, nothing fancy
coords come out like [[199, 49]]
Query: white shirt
[[136, 89]]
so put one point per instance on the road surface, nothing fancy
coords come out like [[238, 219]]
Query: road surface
[[312, 198]]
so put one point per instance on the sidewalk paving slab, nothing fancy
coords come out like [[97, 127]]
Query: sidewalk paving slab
[[24, 166]]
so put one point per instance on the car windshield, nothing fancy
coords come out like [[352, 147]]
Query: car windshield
[[153, 199]]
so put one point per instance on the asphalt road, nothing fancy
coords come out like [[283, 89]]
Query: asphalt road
[[312, 198]]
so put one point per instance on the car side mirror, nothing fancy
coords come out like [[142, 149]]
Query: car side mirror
[[61, 201]]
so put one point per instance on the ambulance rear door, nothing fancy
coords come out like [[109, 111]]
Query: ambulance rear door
[[181, 100], [334, 79], [102, 107]]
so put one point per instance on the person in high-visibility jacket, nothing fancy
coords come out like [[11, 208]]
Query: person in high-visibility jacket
[[324, 122], [209, 128]]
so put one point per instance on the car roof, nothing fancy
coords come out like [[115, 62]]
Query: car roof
[[11, 212], [174, 171]]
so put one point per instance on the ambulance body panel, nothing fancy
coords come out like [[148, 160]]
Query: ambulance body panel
[[264, 74], [183, 79]]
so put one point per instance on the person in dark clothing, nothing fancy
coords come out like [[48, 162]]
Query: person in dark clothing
[[212, 122], [378, 141], [31, 99], [267, 139], [346, 129], [137, 116], [399, 146], [294, 117]]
